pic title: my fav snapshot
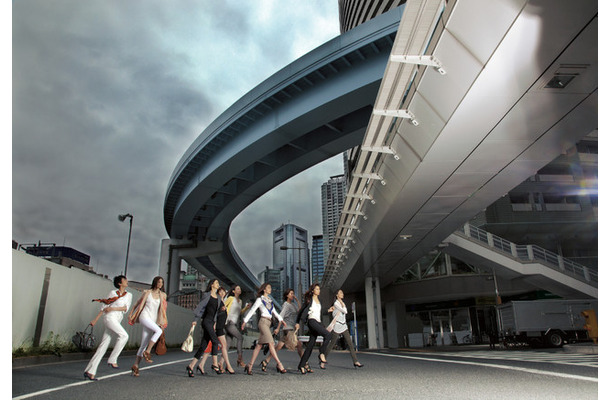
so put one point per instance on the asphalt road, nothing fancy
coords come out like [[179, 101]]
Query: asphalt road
[[481, 374]]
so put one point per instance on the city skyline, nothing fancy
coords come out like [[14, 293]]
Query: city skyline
[[108, 96]]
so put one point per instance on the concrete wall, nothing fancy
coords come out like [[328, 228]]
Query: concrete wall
[[68, 304]]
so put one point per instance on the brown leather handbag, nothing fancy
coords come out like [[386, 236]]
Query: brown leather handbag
[[160, 347]]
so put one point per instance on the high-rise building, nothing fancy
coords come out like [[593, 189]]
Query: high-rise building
[[333, 197], [291, 257], [355, 12], [317, 258], [273, 277]]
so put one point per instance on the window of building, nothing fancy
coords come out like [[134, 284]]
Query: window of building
[[519, 198], [459, 267], [433, 265]]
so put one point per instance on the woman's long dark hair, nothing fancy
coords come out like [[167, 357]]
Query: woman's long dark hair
[[210, 283], [232, 290], [261, 290], [155, 281], [286, 293], [309, 292]]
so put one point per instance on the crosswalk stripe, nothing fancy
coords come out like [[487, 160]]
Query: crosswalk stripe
[[588, 360]]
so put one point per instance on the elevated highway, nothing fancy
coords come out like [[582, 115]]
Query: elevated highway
[[452, 104], [313, 109]]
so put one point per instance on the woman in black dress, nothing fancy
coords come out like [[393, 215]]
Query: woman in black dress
[[207, 310]]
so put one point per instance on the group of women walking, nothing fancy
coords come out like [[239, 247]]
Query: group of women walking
[[213, 310], [220, 314]]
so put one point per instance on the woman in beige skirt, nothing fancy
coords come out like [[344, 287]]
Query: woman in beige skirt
[[265, 305]]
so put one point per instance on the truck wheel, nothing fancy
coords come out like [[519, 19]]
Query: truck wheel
[[554, 339]]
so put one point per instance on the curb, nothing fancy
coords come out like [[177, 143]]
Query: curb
[[21, 362]]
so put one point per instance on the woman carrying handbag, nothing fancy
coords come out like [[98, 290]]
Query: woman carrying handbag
[[114, 306], [150, 311]]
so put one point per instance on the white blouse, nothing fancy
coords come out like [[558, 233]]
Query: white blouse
[[151, 308], [339, 312], [234, 311], [265, 312], [315, 310], [123, 301]]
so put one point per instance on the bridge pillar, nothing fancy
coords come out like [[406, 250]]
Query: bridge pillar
[[374, 319], [169, 264], [396, 315]]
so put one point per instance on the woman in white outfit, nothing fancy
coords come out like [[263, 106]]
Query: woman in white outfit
[[234, 314], [339, 310], [151, 313], [115, 305]]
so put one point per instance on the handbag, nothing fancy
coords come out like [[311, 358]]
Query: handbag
[[187, 345], [160, 347], [209, 348], [84, 340], [291, 339]]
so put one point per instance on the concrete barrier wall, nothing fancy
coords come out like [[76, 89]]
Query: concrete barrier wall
[[68, 305]]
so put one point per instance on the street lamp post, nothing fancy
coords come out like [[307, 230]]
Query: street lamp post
[[122, 218]]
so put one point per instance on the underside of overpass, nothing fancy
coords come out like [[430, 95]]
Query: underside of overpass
[[452, 104]]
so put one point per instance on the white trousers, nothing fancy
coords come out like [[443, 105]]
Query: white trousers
[[150, 332], [113, 327]]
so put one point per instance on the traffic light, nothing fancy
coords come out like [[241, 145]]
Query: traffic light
[[590, 323]]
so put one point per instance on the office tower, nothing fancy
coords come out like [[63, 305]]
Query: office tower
[[317, 258], [333, 197], [291, 257]]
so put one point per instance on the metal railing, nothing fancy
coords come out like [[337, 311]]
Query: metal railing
[[529, 253]]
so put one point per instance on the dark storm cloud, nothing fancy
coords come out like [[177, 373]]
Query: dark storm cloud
[[107, 96]]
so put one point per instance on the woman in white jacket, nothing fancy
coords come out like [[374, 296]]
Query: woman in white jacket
[[339, 310]]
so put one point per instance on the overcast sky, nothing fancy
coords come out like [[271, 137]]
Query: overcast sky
[[108, 95]]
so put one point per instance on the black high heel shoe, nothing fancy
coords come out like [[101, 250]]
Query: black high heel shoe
[[358, 365], [248, 369], [264, 366], [303, 370], [308, 369], [87, 375], [281, 371], [189, 371], [216, 368], [322, 363], [201, 371]]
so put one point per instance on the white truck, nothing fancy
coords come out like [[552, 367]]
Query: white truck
[[544, 322]]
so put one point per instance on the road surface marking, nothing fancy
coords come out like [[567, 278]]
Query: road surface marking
[[479, 364]]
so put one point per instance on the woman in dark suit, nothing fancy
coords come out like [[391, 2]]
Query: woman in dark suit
[[312, 312]]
